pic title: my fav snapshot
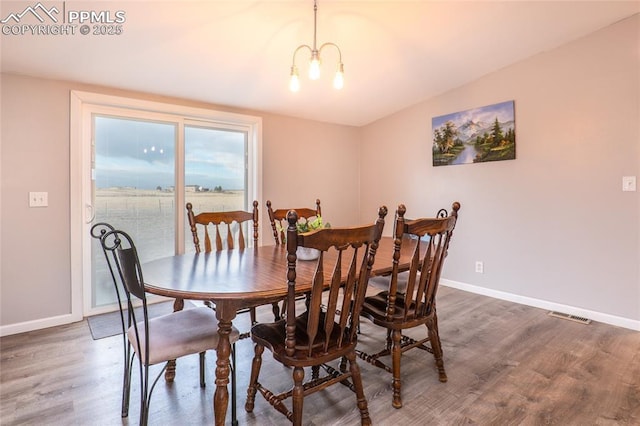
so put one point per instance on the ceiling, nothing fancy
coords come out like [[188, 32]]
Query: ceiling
[[238, 53]]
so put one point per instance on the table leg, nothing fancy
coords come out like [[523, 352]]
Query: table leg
[[170, 372], [221, 396]]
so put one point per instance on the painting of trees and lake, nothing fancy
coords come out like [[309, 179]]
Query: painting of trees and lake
[[476, 135]]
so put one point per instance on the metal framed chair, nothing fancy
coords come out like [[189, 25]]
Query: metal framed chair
[[154, 340]]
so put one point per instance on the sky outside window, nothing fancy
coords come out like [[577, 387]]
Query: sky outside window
[[141, 154]]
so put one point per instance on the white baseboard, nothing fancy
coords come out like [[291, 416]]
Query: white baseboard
[[22, 327], [543, 304]]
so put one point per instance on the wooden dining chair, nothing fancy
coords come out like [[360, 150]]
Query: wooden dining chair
[[160, 339], [228, 234], [278, 219], [410, 298], [312, 337], [230, 224]]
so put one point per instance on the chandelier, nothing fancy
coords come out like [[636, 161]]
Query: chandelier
[[314, 61]]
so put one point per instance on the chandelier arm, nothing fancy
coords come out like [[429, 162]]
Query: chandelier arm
[[331, 44], [293, 62]]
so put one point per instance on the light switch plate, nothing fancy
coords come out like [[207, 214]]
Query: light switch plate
[[628, 183], [38, 199]]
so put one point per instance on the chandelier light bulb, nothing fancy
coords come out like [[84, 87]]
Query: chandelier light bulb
[[294, 81], [314, 67], [338, 80]]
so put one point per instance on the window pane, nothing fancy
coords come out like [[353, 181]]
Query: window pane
[[215, 172], [134, 190]]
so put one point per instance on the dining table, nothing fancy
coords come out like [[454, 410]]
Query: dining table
[[236, 279]]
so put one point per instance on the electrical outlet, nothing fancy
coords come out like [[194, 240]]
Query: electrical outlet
[[628, 183], [38, 199], [479, 267]]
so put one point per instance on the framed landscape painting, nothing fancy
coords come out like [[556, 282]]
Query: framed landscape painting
[[475, 136]]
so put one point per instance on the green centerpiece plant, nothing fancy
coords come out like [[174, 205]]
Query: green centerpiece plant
[[311, 225]]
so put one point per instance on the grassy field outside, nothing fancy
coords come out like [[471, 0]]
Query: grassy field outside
[[149, 217]]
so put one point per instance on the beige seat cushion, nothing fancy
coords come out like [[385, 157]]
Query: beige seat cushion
[[180, 333]]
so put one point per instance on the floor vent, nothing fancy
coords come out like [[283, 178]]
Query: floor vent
[[569, 317]]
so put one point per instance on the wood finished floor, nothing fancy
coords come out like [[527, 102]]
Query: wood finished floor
[[507, 364]]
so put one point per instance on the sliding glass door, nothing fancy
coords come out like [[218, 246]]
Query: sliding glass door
[[144, 170], [135, 163]]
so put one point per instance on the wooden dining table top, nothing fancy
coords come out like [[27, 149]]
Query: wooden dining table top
[[243, 276]]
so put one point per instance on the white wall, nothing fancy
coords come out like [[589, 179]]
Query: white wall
[[35, 280], [303, 160], [553, 227]]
